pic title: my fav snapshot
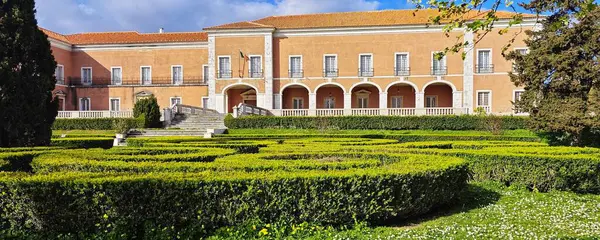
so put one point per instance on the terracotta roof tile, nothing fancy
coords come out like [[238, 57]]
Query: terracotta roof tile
[[127, 37], [354, 19], [54, 35]]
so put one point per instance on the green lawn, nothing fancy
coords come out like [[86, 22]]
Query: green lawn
[[486, 211]]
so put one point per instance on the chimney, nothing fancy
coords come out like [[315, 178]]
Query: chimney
[[161, 30]]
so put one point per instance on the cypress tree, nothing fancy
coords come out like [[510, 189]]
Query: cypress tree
[[27, 107]]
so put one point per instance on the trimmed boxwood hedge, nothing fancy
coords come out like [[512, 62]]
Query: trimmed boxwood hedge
[[94, 123], [103, 142], [189, 205], [463, 122]]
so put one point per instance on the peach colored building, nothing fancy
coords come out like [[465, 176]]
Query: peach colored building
[[354, 63]]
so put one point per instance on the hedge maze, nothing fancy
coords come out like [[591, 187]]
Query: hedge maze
[[190, 187]]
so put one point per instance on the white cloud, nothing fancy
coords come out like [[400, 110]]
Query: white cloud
[[70, 16]]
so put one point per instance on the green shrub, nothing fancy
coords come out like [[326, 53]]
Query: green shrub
[[86, 143], [16, 161], [96, 123], [464, 122], [148, 109], [189, 205], [229, 120]]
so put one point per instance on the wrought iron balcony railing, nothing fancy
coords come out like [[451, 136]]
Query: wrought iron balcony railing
[[488, 68], [98, 81], [330, 73], [367, 72], [225, 74], [60, 80], [438, 71], [296, 73], [255, 74], [402, 71]]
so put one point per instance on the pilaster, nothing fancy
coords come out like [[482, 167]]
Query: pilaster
[[268, 98], [468, 85], [212, 85]]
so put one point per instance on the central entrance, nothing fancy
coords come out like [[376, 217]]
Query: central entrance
[[240, 94]]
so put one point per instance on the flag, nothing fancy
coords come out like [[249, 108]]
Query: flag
[[243, 56]]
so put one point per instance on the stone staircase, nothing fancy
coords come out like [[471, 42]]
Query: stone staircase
[[184, 120]]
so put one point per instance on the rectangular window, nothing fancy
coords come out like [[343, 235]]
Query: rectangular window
[[255, 67], [205, 102], [483, 99], [521, 51], [438, 66], [330, 66], [86, 76], [402, 64], [431, 101], [205, 73], [60, 74], [363, 102], [517, 97], [298, 103], [330, 103], [115, 104], [146, 73], [484, 61], [177, 75], [365, 65], [84, 104], [397, 102], [175, 100], [224, 67], [116, 75], [296, 67]]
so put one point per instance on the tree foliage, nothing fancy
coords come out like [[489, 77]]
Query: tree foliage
[[148, 109], [561, 76], [560, 73], [27, 107]]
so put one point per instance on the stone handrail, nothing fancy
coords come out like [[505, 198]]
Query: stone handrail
[[244, 110], [170, 112], [95, 114]]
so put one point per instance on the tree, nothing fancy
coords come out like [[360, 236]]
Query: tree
[[561, 77], [560, 73], [148, 109], [27, 107]]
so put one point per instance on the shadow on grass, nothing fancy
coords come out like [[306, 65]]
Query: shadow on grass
[[475, 196]]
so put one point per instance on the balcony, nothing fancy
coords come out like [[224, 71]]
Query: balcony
[[96, 81], [330, 73], [225, 74], [439, 71], [487, 68], [366, 72], [402, 71], [255, 74], [332, 112], [296, 73], [60, 80]]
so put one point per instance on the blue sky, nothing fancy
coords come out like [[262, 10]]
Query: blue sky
[[73, 16]]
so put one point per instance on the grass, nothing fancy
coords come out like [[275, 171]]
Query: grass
[[487, 210], [520, 133]]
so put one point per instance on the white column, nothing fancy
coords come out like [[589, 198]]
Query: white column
[[347, 103], [212, 85], [468, 84], [419, 99], [312, 104], [219, 103], [260, 100], [383, 102], [420, 103], [277, 101], [457, 99], [268, 99]]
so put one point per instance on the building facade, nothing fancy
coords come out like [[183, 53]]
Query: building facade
[[356, 63]]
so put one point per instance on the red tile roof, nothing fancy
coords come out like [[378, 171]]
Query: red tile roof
[[127, 37], [353, 19]]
